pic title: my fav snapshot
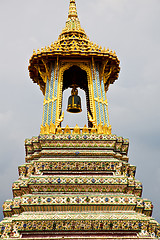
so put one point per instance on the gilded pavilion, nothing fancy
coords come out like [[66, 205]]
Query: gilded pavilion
[[76, 183]]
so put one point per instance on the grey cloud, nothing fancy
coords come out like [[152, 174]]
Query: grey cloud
[[129, 27]]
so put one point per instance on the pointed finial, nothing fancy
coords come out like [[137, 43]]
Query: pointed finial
[[72, 9]]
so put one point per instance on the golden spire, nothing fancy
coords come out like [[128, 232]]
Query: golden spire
[[72, 23], [72, 10]]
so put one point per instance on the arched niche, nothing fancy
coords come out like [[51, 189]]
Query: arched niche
[[75, 75]]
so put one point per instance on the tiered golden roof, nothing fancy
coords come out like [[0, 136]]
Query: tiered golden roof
[[73, 42]]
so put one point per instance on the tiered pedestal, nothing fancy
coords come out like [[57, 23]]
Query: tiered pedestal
[[78, 187]]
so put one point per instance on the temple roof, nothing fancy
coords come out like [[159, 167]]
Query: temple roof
[[73, 43]]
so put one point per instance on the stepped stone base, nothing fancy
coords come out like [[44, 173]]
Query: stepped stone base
[[77, 186]]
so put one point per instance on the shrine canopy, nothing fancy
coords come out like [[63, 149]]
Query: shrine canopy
[[73, 43]]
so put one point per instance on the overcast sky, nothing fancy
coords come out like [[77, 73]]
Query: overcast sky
[[132, 29]]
